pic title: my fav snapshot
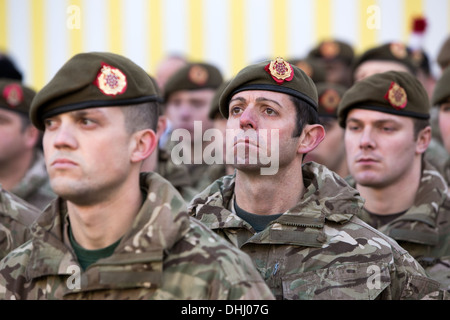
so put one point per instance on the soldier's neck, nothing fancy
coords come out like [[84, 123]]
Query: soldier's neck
[[271, 194]]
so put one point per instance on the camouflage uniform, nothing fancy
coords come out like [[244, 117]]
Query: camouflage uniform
[[165, 255], [318, 249], [35, 185], [16, 216], [424, 230]]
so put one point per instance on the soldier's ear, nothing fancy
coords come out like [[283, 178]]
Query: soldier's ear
[[143, 143], [423, 140], [311, 136]]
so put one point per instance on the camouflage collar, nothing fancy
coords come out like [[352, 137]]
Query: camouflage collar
[[160, 223], [327, 197]]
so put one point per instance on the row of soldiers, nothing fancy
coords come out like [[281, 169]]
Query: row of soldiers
[[358, 208]]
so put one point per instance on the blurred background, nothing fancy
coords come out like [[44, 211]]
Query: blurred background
[[41, 35]]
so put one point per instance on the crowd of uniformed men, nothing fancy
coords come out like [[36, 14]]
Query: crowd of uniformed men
[[93, 204]]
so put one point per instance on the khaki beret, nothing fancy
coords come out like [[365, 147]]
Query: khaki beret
[[442, 89], [394, 92], [330, 95], [333, 50], [15, 96], [393, 51], [90, 80], [276, 75], [443, 57], [193, 76]]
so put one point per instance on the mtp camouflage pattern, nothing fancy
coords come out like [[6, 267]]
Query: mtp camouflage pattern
[[318, 249], [165, 255], [35, 187], [16, 216], [424, 230]]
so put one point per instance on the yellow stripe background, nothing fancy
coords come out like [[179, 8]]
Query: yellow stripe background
[[195, 30], [155, 25], [323, 18], [115, 25], [38, 44], [3, 25], [280, 23], [75, 34], [412, 9], [367, 31], [237, 35]]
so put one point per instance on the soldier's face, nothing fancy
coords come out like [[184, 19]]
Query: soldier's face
[[380, 147], [87, 153], [444, 123], [268, 115], [14, 139], [186, 106]]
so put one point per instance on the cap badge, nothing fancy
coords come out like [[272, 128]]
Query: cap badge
[[280, 70], [13, 95], [198, 75], [329, 49], [111, 81], [396, 96], [329, 100]]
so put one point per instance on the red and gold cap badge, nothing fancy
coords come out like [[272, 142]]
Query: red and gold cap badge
[[198, 75], [13, 95], [396, 96], [329, 49], [280, 70], [111, 81], [329, 100]]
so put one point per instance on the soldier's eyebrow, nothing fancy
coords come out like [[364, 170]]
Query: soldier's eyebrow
[[262, 99]]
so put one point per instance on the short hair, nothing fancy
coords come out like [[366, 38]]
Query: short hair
[[305, 114], [141, 116], [419, 125]]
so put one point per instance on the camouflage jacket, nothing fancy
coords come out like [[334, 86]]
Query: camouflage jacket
[[424, 230], [16, 216], [318, 249], [35, 188], [165, 255]]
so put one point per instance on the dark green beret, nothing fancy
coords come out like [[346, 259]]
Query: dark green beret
[[443, 57], [276, 75], [313, 67], [333, 50], [15, 96], [393, 51], [193, 76], [330, 95], [90, 80], [442, 89], [394, 92]]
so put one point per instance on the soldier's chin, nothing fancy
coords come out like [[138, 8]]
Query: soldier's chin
[[250, 168]]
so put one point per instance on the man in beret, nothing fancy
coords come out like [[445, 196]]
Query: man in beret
[[22, 166], [387, 131], [443, 57], [331, 151], [114, 233], [298, 224], [188, 94], [337, 57], [441, 99]]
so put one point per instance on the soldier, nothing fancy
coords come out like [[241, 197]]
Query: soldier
[[298, 224], [337, 57], [22, 166], [441, 99], [16, 216], [331, 151], [188, 95], [114, 233], [387, 131]]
